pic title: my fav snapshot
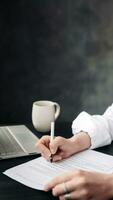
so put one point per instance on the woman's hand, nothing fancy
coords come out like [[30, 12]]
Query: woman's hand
[[61, 147], [82, 185]]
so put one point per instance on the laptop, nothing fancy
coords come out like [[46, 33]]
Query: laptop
[[17, 141]]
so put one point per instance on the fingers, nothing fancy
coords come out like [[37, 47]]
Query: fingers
[[56, 143], [78, 195], [43, 146], [71, 188], [74, 179], [64, 187], [47, 148], [56, 158], [58, 180]]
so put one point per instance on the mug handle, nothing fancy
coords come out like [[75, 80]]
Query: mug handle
[[57, 112]]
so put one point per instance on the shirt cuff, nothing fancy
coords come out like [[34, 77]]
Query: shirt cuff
[[94, 127]]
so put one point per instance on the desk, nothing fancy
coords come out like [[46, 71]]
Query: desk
[[10, 189]]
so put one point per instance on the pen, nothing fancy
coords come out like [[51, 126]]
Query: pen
[[52, 136]]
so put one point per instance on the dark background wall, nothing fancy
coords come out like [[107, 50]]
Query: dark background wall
[[60, 50]]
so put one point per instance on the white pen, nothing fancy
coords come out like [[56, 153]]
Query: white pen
[[52, 136], [52, 130]]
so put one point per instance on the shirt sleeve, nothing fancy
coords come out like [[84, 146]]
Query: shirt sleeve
[[98, 127]]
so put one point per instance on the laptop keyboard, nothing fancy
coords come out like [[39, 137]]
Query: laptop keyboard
[[8, 144]]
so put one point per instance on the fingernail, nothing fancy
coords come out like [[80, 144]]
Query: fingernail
[[53, 151], [60, 158], [54, 193], [57, 159]]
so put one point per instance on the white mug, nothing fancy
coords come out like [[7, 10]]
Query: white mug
[[43, 113]]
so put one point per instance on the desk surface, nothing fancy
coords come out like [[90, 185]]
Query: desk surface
[[10, 189]]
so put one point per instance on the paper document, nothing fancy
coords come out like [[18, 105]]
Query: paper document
[[38, 172]]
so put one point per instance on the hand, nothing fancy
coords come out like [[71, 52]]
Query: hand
[[60, 147], [82, 185]]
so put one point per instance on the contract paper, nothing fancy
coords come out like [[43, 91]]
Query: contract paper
[[38, 172]]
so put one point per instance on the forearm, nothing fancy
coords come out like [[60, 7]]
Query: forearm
[[81, 141]]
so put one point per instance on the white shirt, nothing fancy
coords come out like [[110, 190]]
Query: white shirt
[[98, 127]]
